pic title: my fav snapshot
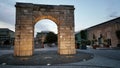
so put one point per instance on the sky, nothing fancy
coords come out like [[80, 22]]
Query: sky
[[87, 13]]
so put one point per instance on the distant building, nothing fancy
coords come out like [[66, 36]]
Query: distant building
[[6, 37], [40, 38], [104, 34], [80, 38]]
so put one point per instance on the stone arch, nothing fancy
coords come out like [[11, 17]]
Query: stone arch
[[27, 14], [46, 17]]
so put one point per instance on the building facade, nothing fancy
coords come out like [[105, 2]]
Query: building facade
[[104, 34], [6, 37]]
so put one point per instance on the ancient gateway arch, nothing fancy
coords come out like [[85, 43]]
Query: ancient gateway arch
[[28, 14]]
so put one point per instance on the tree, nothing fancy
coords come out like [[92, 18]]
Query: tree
[[83, 34], [51, 38], [7, 42]]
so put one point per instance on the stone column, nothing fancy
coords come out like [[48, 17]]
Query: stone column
[[23, 30], [66, 41], [66, 34]]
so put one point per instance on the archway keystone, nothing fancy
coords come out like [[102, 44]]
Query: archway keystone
[[27, 14]]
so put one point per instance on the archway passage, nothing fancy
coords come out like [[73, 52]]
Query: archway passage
[[45, 25], [27, 14], [45, 34]]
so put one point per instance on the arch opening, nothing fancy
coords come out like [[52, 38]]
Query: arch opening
[[45, 34]]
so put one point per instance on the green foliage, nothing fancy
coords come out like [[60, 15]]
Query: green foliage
[[93, 42], [7, 42], [85, 42], [88, 42], [83, 34], [51, 38]]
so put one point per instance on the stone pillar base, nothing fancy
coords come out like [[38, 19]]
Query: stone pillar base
[[23, 52], [67, 52]]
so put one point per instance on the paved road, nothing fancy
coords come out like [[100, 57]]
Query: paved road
[[103, 58]]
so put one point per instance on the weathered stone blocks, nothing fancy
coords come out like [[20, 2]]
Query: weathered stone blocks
[[28, 14]]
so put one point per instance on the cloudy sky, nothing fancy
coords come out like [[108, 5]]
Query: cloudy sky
[[87, 13]]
